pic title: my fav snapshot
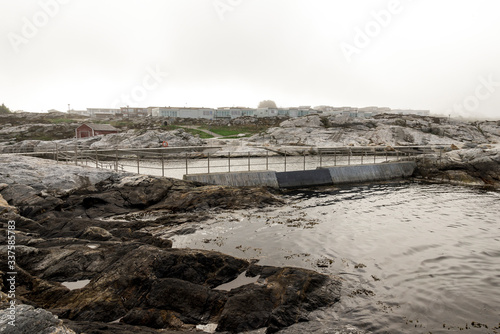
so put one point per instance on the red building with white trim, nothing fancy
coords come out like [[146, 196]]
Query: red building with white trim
[[90, 130]]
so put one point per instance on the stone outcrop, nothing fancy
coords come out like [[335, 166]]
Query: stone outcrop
[[127, 139], [90, 227], [383, 130], [467, 167]]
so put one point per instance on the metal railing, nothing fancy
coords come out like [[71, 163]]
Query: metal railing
[[173, 162], [179, 161]]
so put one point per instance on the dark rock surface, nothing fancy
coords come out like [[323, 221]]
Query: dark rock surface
[[94, 228]]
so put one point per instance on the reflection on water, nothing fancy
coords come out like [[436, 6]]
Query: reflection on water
[[414, 258]]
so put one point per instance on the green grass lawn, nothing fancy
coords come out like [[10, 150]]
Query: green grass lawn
[[203, 135], [234, 131], [62, 120]]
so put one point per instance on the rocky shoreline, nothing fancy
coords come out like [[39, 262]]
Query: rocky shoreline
[[469, 167], [85, 225], [90, 227]]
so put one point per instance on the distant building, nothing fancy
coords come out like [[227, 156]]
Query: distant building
[[133, 112], [54, 111], [410, 112], [368, 112], [90, 130]]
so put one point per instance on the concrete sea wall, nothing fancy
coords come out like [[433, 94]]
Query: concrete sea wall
[[310, 178]]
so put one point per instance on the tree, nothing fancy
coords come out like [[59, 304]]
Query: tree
[[267, 104], [4, 109]]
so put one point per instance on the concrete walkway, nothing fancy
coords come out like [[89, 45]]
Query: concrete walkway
[[310, 178]]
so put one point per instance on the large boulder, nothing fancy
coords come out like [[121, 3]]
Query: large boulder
[[31, 320]]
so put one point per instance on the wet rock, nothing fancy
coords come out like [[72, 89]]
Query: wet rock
[[153, 318], [31, 320], [168, 288], [96, 233], [117, 328], [286, 298]]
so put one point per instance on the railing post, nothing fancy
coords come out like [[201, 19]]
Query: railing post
[[374, 155], [208, 162], [285, 160], [335, 158], [320, 159], [267, 160], [397, 155], [349, 158], [138, 164], [116, 160], [361, 158], [229, 161], [162, 165], [386, 157], [187, 171], [57, 154], [304, 160], [96, 159], [76, 155], [248, 161]]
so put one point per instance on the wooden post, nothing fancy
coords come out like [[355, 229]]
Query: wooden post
[[335, 158], [320, 159], [229, 161], [349, 157], [138, 164], [267, 160], [187, 171], [57, 154], [208, 162], [248, 161], [96, 159], [304, 160], [76, 155]]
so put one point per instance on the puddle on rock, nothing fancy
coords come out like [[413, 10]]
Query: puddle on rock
[[237, 282], [76, 285]]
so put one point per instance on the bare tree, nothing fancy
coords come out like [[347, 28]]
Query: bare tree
[[267, 104]]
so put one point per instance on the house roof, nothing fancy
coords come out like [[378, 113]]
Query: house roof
[[101, 127]]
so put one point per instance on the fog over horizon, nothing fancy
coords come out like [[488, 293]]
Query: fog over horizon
[[441, 56]]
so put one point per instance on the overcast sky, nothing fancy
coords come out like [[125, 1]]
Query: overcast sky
[[442, 55]]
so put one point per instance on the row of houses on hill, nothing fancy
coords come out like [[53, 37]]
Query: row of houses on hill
[[207, 113], [235, 112]]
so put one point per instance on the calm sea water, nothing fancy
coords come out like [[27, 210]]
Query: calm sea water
[[414, 258]]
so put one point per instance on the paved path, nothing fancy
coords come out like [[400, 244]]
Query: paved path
[[196, 127]]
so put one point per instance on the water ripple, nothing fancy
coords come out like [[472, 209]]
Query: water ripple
[[412, 257]]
